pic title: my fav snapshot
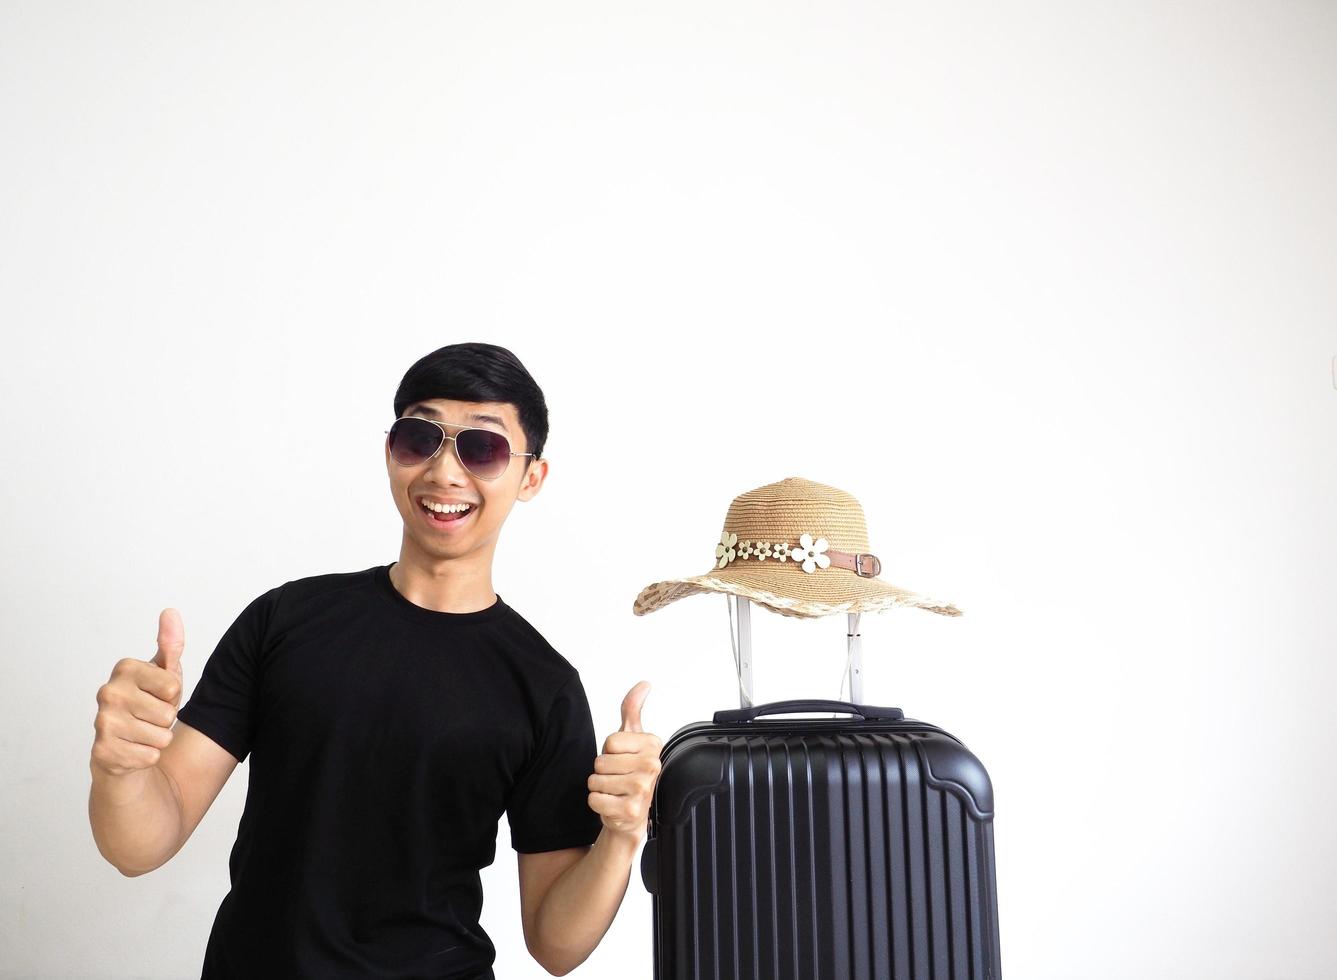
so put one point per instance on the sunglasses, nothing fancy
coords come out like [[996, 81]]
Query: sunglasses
[[482, 452]]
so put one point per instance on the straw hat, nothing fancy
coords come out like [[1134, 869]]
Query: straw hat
[[798, 548]]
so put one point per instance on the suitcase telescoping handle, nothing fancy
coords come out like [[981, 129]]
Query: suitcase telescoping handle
[[741, 640], [868, 712]]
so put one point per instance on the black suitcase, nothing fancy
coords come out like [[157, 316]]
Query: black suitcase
[[855, 848]]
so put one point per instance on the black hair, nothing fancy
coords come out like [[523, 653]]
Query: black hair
[[476, 372]]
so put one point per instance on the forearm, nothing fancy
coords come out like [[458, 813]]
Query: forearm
[[136, 818], [580, 905]]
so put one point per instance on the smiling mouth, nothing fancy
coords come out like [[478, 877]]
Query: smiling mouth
[[443, 518]]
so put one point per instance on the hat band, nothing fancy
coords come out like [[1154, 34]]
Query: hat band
[[810, 555]]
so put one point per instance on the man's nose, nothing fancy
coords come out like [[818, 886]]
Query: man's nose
[[446, 464]]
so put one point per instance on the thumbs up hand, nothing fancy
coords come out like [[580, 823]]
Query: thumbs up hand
[[137, 706], [625, 775]]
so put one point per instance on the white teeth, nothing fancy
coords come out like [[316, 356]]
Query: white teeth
[[445, 508]]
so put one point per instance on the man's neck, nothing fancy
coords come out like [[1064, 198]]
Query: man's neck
[[443, 589]]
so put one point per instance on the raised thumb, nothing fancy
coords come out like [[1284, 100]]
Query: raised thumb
[[631, 707], [171, 641]]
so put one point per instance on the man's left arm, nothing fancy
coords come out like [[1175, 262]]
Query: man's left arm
[[570, 897]]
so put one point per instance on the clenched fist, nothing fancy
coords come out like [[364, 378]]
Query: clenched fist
[[624, 777], [137, 707]]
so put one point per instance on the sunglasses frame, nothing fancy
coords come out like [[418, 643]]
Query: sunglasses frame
[[447, 437]]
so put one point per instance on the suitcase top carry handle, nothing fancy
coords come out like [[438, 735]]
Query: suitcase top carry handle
[[866, 711]]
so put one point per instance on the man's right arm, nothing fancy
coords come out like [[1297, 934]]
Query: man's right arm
[[136, 818], [142, 818], [152, 782]]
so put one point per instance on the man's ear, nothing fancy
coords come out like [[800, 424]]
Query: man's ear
[[535, 474]]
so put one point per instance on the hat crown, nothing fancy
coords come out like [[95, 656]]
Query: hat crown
[[793, 506]]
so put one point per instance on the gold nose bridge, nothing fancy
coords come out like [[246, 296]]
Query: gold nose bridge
[[455, 446], [441, 424]]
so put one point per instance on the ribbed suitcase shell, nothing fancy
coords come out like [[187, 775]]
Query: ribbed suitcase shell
[[821, 849]]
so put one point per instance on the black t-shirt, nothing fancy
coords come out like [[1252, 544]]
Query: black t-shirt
[[386, 740]]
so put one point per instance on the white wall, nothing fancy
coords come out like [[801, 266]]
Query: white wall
[[1049, 287]]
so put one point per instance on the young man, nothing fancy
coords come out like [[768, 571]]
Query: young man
[[391, 716]]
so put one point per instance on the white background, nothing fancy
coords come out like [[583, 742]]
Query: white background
[[1049, 287]]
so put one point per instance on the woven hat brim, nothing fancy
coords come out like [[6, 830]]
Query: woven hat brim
[[806, 599]]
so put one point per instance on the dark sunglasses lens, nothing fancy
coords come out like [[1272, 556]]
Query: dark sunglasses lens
[[413, 440], [486, 454]]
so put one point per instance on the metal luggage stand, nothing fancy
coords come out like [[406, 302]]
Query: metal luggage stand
[[740, 638]]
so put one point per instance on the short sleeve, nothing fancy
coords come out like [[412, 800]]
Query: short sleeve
[[223, 703], [549, 808]]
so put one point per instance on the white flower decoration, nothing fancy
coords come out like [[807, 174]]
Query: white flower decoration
[[781, 551], [724, 551], [810, 553], [763, 550], [746, 548]]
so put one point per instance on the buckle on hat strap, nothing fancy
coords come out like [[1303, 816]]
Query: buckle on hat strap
[[862, 564]]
